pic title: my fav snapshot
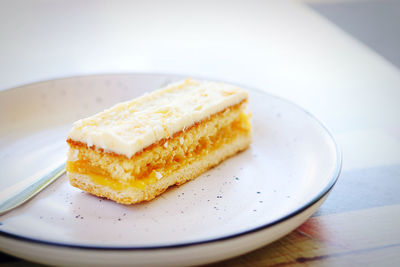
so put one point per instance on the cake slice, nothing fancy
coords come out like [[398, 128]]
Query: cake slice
[[135, 150]]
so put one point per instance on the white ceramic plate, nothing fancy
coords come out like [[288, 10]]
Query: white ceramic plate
[[246, 202]]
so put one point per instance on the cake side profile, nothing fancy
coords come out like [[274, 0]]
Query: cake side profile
[[135, 150]]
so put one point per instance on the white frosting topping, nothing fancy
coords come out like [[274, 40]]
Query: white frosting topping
[[129, 127]]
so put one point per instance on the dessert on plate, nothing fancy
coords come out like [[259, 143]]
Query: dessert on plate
[[135, 150]]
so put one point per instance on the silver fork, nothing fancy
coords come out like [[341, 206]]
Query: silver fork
[[17, 194]]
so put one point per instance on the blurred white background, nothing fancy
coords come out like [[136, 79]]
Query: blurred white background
[[283, 47]]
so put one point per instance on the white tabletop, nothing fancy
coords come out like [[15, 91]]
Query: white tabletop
[[280, 46]]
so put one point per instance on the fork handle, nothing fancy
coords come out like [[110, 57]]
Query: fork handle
[[15, 195]]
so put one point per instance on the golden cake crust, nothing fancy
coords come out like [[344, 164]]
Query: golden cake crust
[[141, 172], [133, 195]]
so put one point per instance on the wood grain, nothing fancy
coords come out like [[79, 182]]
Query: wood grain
[[367, 237]]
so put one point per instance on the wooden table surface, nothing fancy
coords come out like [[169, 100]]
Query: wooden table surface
[[283, 48]]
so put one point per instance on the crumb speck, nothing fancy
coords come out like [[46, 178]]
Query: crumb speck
[[158, 175]]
